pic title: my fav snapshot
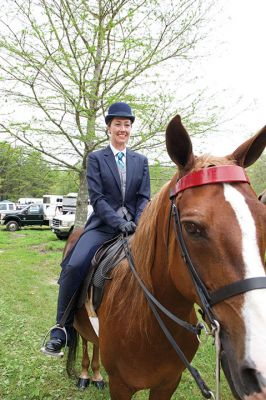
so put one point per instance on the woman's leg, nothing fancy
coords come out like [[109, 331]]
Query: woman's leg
[[71, 278]]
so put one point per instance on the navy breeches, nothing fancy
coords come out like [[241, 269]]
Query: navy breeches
[[74, 270]]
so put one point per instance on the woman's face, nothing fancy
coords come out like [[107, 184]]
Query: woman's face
[[119, 130]]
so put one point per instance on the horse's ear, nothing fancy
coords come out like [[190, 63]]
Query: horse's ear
[[248, 152], [178, 144]]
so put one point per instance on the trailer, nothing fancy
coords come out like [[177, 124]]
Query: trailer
[[24, 201], [52, 205]]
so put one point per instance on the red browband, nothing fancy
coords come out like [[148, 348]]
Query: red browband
[[222, 173]]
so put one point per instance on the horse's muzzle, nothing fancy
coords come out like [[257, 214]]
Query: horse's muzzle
[[242, 377], [253, 381]]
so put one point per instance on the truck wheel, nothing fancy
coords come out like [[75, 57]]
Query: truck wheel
[[61, 237], [12, 226]]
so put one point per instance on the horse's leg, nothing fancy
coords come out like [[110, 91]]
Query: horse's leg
[[163, 393], [84, 379], [97, 379], [118, 390]]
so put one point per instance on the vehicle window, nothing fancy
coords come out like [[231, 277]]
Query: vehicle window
[[34, 210], [2, 206], [11, 207]]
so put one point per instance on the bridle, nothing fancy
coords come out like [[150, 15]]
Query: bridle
[[218, 174]]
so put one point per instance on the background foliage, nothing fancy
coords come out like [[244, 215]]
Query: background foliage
[[25, 173], [63, 62]]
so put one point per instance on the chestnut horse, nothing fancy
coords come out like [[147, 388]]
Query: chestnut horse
[[222, 229]]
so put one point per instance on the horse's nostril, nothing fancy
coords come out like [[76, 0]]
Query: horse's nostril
[[250, 380]]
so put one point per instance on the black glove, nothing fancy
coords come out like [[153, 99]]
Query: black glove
[[127, 227]]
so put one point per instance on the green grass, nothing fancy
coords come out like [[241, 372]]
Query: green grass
[[29, 268]]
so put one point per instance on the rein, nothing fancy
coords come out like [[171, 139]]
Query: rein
[[152, 301], [220, 174]]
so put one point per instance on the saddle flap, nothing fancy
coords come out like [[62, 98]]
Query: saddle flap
[[104, 260]]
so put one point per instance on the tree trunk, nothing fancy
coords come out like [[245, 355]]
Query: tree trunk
[[82, 201]]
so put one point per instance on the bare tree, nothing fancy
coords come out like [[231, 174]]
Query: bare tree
[[63, 62]]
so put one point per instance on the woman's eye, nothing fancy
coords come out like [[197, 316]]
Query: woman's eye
[[192, 228]]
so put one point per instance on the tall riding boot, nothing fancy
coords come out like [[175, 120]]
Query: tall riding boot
[[70, 281]]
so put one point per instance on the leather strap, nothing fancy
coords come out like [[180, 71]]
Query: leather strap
[[237, 288], [204, 176], [152, 301], [205, 391], [189, 327]]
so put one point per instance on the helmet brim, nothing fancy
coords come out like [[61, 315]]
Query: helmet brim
[[109, 117]]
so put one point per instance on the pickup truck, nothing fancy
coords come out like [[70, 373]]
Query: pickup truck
[[62, 225], [33, 214]]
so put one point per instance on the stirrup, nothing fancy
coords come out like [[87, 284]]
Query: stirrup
[[61, 353]]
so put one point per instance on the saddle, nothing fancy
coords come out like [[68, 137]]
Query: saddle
[[105, 259]]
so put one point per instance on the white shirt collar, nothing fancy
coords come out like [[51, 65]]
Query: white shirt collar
[[115, 151]]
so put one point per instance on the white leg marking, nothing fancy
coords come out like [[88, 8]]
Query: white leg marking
[[254, 311]]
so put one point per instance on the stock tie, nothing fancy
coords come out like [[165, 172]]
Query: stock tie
[[119, 160]]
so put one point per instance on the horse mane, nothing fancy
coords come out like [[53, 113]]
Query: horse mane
[[133, 302], [143, 245]]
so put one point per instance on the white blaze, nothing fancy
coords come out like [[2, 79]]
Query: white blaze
[[254, 308]]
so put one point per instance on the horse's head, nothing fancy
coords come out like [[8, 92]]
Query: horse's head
[[223, 226]]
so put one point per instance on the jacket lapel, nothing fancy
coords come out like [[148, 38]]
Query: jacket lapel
[[130, 160], [110, 160]]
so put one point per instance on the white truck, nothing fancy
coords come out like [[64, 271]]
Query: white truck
[[62, 225], [6, 207]]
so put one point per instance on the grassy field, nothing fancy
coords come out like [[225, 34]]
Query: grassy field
[[29, 267]]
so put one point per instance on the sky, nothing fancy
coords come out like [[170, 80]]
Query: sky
[[235, 72]]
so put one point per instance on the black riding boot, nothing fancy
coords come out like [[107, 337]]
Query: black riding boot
[[70, 281]]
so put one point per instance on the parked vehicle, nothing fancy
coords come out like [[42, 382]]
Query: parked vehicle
[[24, 201], [62, 225], [6, 207], [69, 203], [52, 205], [31, 215]]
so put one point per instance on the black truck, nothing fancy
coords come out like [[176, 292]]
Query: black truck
[[33, 214]]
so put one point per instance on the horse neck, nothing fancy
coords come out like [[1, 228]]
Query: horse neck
[[150, 249], [125, 298]]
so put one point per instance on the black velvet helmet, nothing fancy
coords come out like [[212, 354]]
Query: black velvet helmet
[[119, 109]]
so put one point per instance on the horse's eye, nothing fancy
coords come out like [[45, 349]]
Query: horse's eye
[[192, 228]]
